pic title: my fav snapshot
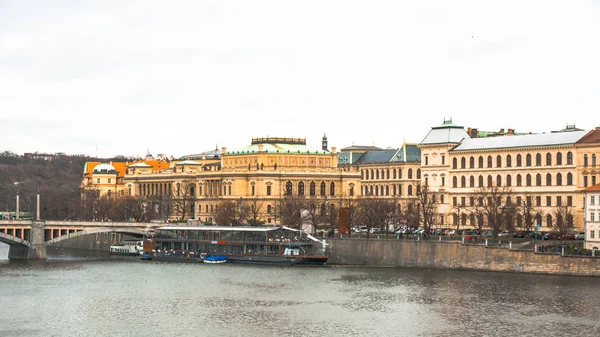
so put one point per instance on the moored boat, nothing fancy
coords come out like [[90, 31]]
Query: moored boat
[[212, 259], [132, 247], [277, 245]]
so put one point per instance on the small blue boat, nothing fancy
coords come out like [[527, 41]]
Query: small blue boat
[[146, 257], [215, 259]]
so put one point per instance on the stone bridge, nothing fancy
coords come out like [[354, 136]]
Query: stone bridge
[[29, 239]]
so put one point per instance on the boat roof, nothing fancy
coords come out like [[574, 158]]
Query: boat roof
[[223, 228]]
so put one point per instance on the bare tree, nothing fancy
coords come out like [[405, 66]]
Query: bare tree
[[428, 209], [390, 215], [254, 206], [529, 214], [183, 198], [290, 210], [226, 213], [348, 213], [412, 214], [563, 224], [89, 204], [493, 206], [371, 212]]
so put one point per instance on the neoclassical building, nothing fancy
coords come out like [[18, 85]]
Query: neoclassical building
[[390, 173], [547, 170], [267, 170]]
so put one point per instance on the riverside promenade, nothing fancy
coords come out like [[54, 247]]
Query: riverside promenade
[[458, 256]]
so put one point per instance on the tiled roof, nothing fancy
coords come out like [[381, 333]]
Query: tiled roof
[[412, 155], [591, 138], [121, 167], [361, 148], [371, 157], [593, 188], [212, 154], [533, 140]]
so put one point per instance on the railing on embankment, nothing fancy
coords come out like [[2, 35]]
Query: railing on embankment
[[455, 255]]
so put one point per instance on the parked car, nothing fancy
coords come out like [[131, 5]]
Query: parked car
[[580, 236]]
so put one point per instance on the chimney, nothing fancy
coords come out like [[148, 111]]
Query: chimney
[[223, 150], [502, 130], [511, 131], [469, 132], [333, 149]]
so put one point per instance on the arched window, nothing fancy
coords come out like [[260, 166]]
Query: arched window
[[372, 174], [418, 173], [489, 161], [377, 174], [301, 188], [268, 209], [472, 219], [528, 180], [463, 162], [528, 160], [549, 220], [313, 189], [538, 219], [472, 162], [585, 160], [538, 180], [548, 159], [376, 190], [362, 174], [288, 188], [548, 179], [499, 161], [332, 189], [454, 182], [371, 190], [409, 189], [519, 182], [490, 181], [508, 161], [508, 180], [570, 220], [559, 158], [498, 180], [480, 181], [594, 159], [463, 181], [569, 158], [394, 173], [558, 179], [387, 174], [569, 179], [409, 173], [400, 173], [472, 181], [394, 190], [538, 160], [480, 162], [387, 190], [454, 163], [366, 174], [322, 189], [519, 159]]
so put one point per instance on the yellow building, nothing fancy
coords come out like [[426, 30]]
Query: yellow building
[[544, 169], [267, 170]]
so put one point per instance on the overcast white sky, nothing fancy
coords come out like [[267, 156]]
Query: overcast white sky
[[179, 77]]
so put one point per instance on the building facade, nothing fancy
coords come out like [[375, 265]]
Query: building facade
[[545, 170], [592, 217], [267, 170]]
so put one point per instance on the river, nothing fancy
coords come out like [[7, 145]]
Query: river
[[126, 297]]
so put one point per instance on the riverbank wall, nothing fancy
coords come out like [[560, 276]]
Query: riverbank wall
[[455, 255]]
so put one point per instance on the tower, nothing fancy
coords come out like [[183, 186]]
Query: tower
[[324, 143]]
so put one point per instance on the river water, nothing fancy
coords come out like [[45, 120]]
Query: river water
[[126, 297]]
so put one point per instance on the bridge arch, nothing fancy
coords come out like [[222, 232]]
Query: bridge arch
[[97, 231], [13, 240]]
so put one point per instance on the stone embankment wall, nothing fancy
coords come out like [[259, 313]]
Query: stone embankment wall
[[454, 255]]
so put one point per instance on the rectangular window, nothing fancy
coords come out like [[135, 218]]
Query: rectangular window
[[592, 234], [472, 201], [98, 181], [426, 160], [592, 216], [253, 190], [518, 201], [268, 190], [443, 181], [443, 160], [592, 200], [593, 180], [453, 201], [109, 180], [538, 201], [569, 201], [559, 201], [585, 181], [548, 201], [462, 201], [441, 199], [352, 191]]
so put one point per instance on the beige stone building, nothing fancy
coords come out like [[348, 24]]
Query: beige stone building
[[267, 170], [544, 169], [592, 217]]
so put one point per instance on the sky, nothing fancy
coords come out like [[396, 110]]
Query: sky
[[124, 77]]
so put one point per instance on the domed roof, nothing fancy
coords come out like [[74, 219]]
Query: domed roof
[[104, 168]]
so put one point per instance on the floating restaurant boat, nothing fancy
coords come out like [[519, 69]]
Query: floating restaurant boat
[[132, 247], [279, 245]]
